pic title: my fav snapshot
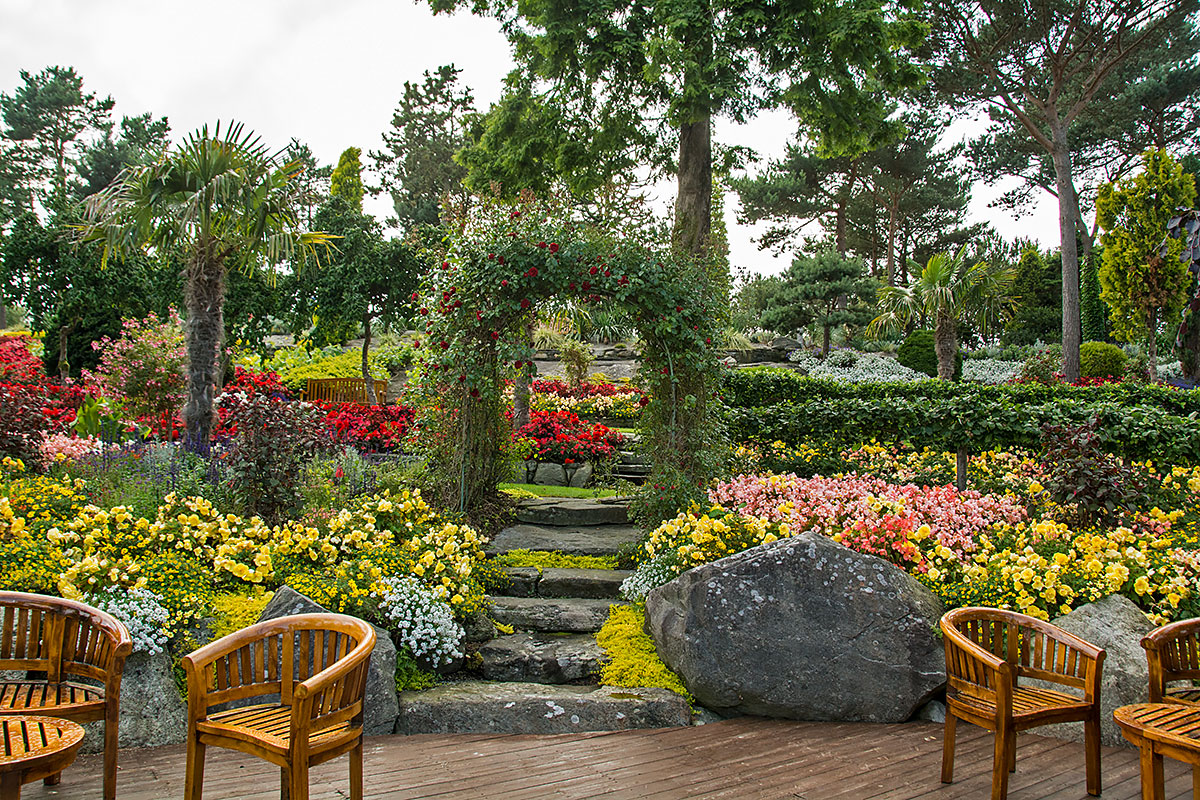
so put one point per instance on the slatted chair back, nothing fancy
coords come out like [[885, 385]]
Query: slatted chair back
[[1030, 647], [1173, 654], [62, 638], [344, 390], [276, 656]]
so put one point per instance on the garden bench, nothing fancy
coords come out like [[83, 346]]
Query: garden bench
[[312, 671], [1172, 655], [344, 390], [987, 651], [81, 652]]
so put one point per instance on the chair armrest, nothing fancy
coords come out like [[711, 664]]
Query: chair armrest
[[330, 675]]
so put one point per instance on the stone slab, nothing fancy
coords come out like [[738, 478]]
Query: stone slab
[[542, 658], [481, 707], [573, 511], [596, 583], [566, 614], [589, 540]]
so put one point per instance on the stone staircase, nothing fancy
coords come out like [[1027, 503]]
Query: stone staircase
[[542, 677]]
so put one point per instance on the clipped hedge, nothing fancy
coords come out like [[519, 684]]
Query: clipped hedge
[[972, 420], [765, 386], [1101, 360]]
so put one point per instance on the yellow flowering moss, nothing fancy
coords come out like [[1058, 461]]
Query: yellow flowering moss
[[631, 660]]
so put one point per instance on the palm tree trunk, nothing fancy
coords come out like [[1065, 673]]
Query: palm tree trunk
[[945, 345], [204, 298]]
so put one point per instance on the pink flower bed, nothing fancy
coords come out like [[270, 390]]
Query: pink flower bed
[[869, 514]]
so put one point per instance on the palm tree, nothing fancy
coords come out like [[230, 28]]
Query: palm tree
[[948, 292], [217, 200]]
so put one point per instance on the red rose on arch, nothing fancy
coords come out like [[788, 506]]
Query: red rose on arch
[[554, 247]]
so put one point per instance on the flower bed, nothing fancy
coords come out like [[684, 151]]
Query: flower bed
[[1007, 549], [605, 400], [361, 560], [561, 437]]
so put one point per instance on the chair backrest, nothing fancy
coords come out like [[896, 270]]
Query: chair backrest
[[1031, 647], [1173, 653], [275, 656], [63, 638]]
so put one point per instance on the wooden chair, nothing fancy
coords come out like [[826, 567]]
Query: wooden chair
[[987, 651], [82, 652], [312, 671], [1173, 654]]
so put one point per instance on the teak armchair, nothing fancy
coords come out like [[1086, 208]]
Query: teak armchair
[[987, 651], [312, 671], [1173, 654], [81, 650]]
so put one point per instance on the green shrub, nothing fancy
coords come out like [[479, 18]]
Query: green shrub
[[1101, 360], [917, 353]]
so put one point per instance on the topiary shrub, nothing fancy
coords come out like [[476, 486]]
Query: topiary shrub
[[1101, 360], [917, 353]]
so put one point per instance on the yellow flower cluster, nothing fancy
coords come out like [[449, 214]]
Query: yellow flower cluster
[[696, 539]]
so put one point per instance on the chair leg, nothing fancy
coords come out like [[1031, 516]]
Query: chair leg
[[285, 780], [53, 780], [299, 780], [193, 787], [1012, 751], [110, 754], [948, 747], [1152, 772], [1000, 762], [1091, 746], [356, 771], [1195, 783]]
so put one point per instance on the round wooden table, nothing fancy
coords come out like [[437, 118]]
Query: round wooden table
[[32, 748], [1162, 729]]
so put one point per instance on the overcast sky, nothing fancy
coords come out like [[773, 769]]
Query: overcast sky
[[327, 73]]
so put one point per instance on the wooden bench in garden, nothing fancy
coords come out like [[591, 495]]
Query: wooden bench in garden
[[1173, 655], [987, 651], [82, 652], [311, 669], [344, 390]]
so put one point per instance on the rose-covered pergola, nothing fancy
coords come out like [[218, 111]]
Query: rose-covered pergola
[[503, 260]]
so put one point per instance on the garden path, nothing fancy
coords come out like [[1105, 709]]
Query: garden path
[[739, 759]]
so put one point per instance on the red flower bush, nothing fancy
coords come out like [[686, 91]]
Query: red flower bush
[[372, 429], [253, 383], [17, 364], [561, 437], [561, 389]]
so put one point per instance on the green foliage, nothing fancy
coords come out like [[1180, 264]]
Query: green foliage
[[297, 365], [824, 289], [1093, 485], [1043, 365], [1141, 287], [1037, 288], [546, 559], [630, 658], [1093, 311], [576, 359], [417, 166], [1101, 360], [346, 180], [410, 676], [917, 353]]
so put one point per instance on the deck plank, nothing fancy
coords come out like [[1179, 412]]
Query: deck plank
[[745, 758]]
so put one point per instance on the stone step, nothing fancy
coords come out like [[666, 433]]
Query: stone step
[[542, 658], [563, 582], [629, 457], [482, 707], [552, 614], [574, 511], [631, 469], [587, 540]]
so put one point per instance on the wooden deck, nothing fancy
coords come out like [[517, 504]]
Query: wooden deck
[[735, 759]]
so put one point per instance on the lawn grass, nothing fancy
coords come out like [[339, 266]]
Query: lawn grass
[[558, 491]]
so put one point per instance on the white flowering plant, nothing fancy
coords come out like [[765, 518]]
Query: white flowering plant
[[419, 621], [142, 612]]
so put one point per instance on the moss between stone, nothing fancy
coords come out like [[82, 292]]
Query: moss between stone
[[552, 559], [630, 658]]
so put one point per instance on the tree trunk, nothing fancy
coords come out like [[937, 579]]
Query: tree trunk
[[3, 315], [1189, 346], [891, 244], [945, 345], [368, 382], [693, 202], [64, 341], [522, 385], [204, 298], [1068, 212], [962, 460], [1152, 344], [825, 342]]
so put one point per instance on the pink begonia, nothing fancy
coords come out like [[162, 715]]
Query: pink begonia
[[64, 447], [870, 514]]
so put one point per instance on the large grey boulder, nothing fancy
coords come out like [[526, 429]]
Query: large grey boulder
[[801, 628], [153, 712], [381, 705], [1117, 625]]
